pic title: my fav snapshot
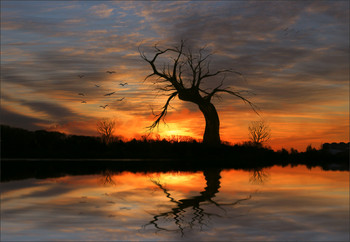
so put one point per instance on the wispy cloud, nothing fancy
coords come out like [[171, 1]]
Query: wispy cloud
[[101, 11], [21, 120], [294, 56]]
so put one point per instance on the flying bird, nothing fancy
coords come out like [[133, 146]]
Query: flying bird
[[109, 94], [80, 76], [123, 84], [121, 99], [104, 106], [83, 101], [81, 94], [110, 72], [97, 85]]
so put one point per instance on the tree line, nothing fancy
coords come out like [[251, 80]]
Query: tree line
[[20, 143]]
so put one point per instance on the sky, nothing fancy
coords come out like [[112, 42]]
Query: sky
[[294, 56]]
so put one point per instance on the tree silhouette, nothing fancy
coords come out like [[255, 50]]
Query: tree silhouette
[[259, 132], [105, 127], [183, 76]]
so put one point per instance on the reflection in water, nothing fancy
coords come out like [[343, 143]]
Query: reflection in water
[[293, 203], [193, 209], [259, 176], [107, 177]]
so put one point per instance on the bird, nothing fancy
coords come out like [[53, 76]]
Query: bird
[[83, 101], [110, 72], [123, 84], [81, 94], [80, 76], [109, 94], [97, 85], [121, 99], [104, 106]]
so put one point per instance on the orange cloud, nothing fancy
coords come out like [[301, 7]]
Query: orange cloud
[[101, 10]]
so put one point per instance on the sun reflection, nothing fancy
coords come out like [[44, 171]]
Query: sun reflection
[[204, 204], [180, 177]]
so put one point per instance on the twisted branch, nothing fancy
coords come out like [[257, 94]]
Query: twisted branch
[[162, 115]]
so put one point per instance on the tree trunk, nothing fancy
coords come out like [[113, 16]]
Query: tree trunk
[[212, 178], [212, 124]]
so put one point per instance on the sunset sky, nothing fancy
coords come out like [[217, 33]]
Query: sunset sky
[[293, 54]]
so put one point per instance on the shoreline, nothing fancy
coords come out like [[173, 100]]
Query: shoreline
[[20, 169]]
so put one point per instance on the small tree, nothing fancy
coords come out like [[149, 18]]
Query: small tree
[[105, 127], [259, 132]]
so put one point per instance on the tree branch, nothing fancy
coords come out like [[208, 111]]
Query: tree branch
[[179, 50], [165, 73], [237, 94], [162, 115]]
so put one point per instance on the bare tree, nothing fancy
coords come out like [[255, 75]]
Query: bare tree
[[183, 76], [105, 127], [259, 132]]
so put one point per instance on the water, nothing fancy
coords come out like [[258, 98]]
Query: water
[[275, 204]]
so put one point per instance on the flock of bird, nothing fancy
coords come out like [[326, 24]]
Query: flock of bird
[[108, 94]]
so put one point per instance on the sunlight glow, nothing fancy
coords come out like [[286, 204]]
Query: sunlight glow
[[173, 130]]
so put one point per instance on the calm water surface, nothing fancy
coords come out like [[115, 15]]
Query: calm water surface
[[275, 204]]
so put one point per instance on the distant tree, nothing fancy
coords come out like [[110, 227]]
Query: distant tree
[[309, 148], [182, 74], [259, 132], [105, 127]]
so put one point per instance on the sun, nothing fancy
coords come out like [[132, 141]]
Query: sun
[[172, 129]]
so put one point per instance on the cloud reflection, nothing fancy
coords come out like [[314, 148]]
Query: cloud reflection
[[294, 204]]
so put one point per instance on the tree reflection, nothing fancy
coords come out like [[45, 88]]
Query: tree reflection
[[190, 212], [259, 176], [107, 177]]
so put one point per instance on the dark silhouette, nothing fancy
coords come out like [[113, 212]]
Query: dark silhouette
[[333, 148], [80, 76], [105, 128], [184, 78], [83, 101], [123, 84], [110, 72], [17, 145], [81, 94], [97, 85], [259, 132], [104, 106], [121, 99], [193, 205], [109, 94]]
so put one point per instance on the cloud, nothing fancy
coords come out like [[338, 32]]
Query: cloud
[[54, 110], [293, 54], [20, 120], [74, 21], [101, 11]]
